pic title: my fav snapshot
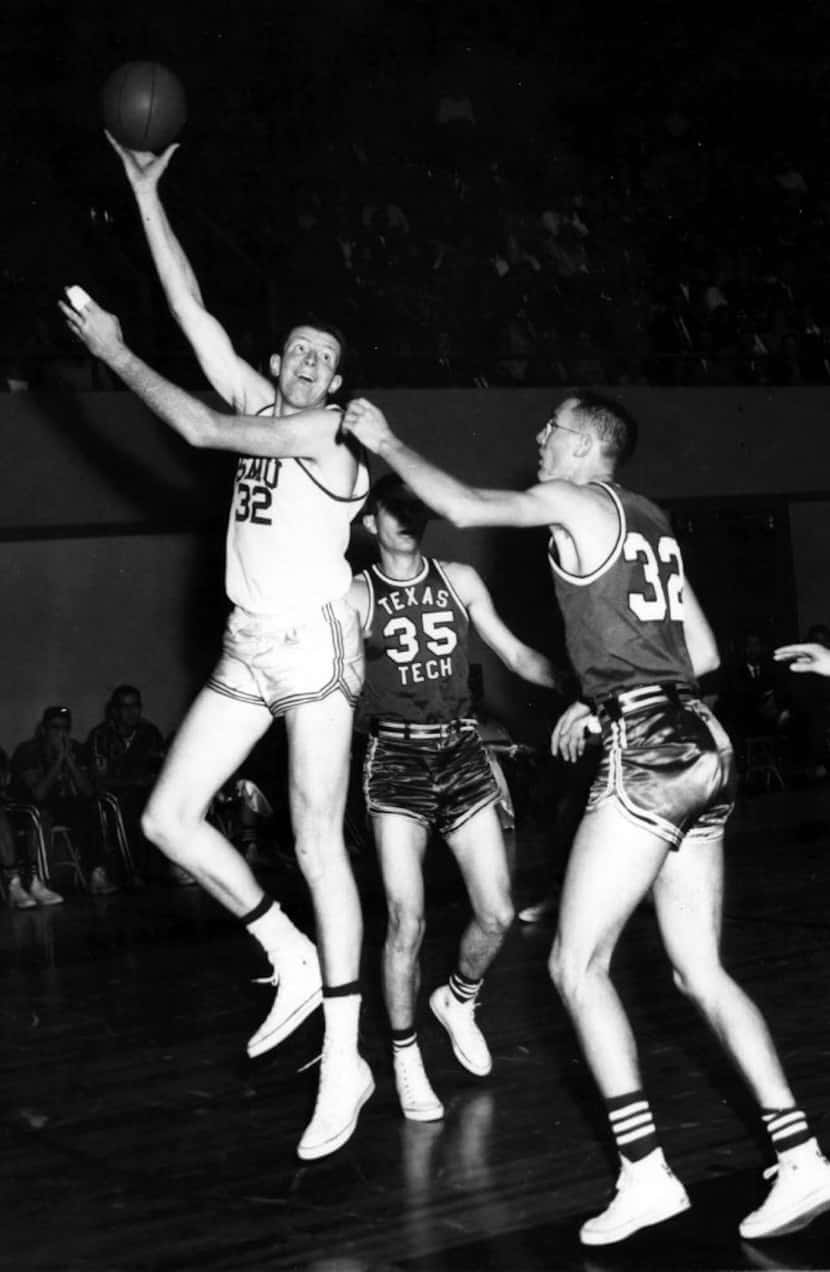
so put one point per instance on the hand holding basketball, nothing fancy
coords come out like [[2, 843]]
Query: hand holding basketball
[[143, 167], [144, 106]]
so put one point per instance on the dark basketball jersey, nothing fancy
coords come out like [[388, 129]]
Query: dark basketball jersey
[[624, 622], [417, 667]]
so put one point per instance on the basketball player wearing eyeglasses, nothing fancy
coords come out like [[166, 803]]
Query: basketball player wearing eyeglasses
[[655, 817]]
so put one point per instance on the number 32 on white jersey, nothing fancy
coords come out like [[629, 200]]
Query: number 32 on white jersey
[[661, 595]]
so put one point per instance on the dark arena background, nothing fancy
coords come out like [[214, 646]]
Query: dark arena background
[[497, 202]]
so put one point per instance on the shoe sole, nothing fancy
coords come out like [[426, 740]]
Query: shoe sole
[[331, 1145], [534, 916], [287, 1026], [620, 1234], [435, 1006], [424, 1115], [795, 1223]]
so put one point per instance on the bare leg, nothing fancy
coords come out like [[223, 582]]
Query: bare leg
[[478, 847], [688, 896], [215, 737], [611, 868], [319, 747], [401, 843]]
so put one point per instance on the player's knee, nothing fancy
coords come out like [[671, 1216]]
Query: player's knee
[[495, 920], [699, 984], [405, 928], [165, 827], [571, 972]]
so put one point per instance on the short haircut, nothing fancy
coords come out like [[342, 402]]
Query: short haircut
[[611, 422], [319, 323], [392, 493]]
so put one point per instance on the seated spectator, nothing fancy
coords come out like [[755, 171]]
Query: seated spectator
[[751, 704], [811, 702], [16, 865], [125, 754], [48, 771]]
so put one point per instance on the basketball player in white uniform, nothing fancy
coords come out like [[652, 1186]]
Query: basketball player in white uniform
[[292, 647]]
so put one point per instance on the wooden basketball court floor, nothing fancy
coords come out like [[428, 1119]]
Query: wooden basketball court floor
[[138, 1137]]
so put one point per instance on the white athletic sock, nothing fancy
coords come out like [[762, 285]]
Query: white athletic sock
[[275, 932], [342, 1015]]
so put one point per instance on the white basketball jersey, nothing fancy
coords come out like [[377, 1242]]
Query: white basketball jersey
[[287, 537]]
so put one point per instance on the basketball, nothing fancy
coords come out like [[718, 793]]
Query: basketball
[[143, 105]]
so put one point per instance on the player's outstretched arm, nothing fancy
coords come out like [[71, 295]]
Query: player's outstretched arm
[[520, 658], [805, 656], [231, 376], [307, 434], [465, 506]]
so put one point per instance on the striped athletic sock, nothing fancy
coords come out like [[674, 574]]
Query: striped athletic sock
[[462, 989], [787, 1128], [632, 1125], [403, 1038]]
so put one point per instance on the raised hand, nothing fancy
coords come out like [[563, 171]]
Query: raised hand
[[94, 327], [143, 168], [806, 656]]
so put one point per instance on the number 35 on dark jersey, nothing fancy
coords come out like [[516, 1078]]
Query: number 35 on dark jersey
[[417, 665]]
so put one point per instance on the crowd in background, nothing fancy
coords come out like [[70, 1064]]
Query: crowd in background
[[532, 218]]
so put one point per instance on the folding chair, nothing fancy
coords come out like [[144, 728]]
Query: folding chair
[[27, 817], [761, 761], [110, 818]]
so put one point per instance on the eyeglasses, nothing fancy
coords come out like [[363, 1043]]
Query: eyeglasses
[[554, 423]]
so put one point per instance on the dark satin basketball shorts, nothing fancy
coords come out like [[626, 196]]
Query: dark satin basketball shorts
[[440, 783], [670, 769]]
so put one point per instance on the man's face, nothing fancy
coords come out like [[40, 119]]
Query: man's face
[[128, 711], [307, 369], [556, 443], [753, 649], [56, 732], [397, 530]]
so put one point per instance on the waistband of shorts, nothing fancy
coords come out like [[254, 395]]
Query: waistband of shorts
[[404, 731], [617, 705]]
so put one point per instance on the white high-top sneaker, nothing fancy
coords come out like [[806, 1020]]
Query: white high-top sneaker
[[299, 987], [346, 1083], [648, 1192], [419, 1102], [800, 1193], [468, 1042]]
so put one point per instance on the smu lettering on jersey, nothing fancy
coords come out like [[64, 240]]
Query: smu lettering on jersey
[[287, 536], [417, 667], [624, 622]]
